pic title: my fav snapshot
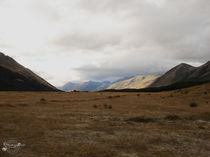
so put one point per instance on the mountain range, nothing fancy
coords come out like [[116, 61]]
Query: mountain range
[[15, 77], [136, 82], [86, 86], [184, 73], [90, 85]]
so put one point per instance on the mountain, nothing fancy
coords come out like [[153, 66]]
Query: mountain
[[122, 79], [103, 86], [68, 86], [15, 77], [126, 82], [86, 86], [201, 73], [136, 82], [184, 73]]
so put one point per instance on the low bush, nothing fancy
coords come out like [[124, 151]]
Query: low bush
[[193, 104], [43, 99], [105, 106], [141, 120], [172, 117]]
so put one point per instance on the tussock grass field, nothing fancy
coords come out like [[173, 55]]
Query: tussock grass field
[[73, 124]]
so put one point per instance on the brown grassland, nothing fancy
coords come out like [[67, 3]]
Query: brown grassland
[[73, 124]]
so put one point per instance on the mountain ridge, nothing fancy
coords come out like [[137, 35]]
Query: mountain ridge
[[15, 77], [184, 73], [85, 86], [136, 82]]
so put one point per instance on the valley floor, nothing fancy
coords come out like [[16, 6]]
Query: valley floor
[[58, 124]]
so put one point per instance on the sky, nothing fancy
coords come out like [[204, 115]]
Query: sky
[[81, 40]]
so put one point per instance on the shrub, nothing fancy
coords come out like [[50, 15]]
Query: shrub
[[105, 106], [205, 93], [22, 105], [7, 105], [201, 127], [95, 106], [193, 104], [116, 96], [172, 117], [141, 120], [138, 94], [43, 99]]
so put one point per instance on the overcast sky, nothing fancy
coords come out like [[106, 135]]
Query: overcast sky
[[80, 40]]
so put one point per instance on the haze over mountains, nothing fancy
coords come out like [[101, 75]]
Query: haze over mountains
[[86, 86], [90, 85], [182, 73], [15, 77]]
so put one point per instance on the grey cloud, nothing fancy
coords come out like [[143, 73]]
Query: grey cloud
[[2, 2], [154, 37], [147, 38], [88, 41], [110, 6], [2, 45], [47, 11], [177, 29], [181, 30], [132, 66], [111, 74], [44, 75]]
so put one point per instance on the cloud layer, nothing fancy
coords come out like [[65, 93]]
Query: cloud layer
[[97, 40]]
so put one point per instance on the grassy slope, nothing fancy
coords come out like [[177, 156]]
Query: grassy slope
[[108, 124]]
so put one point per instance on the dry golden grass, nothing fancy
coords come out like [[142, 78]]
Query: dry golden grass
[[56, 124]]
